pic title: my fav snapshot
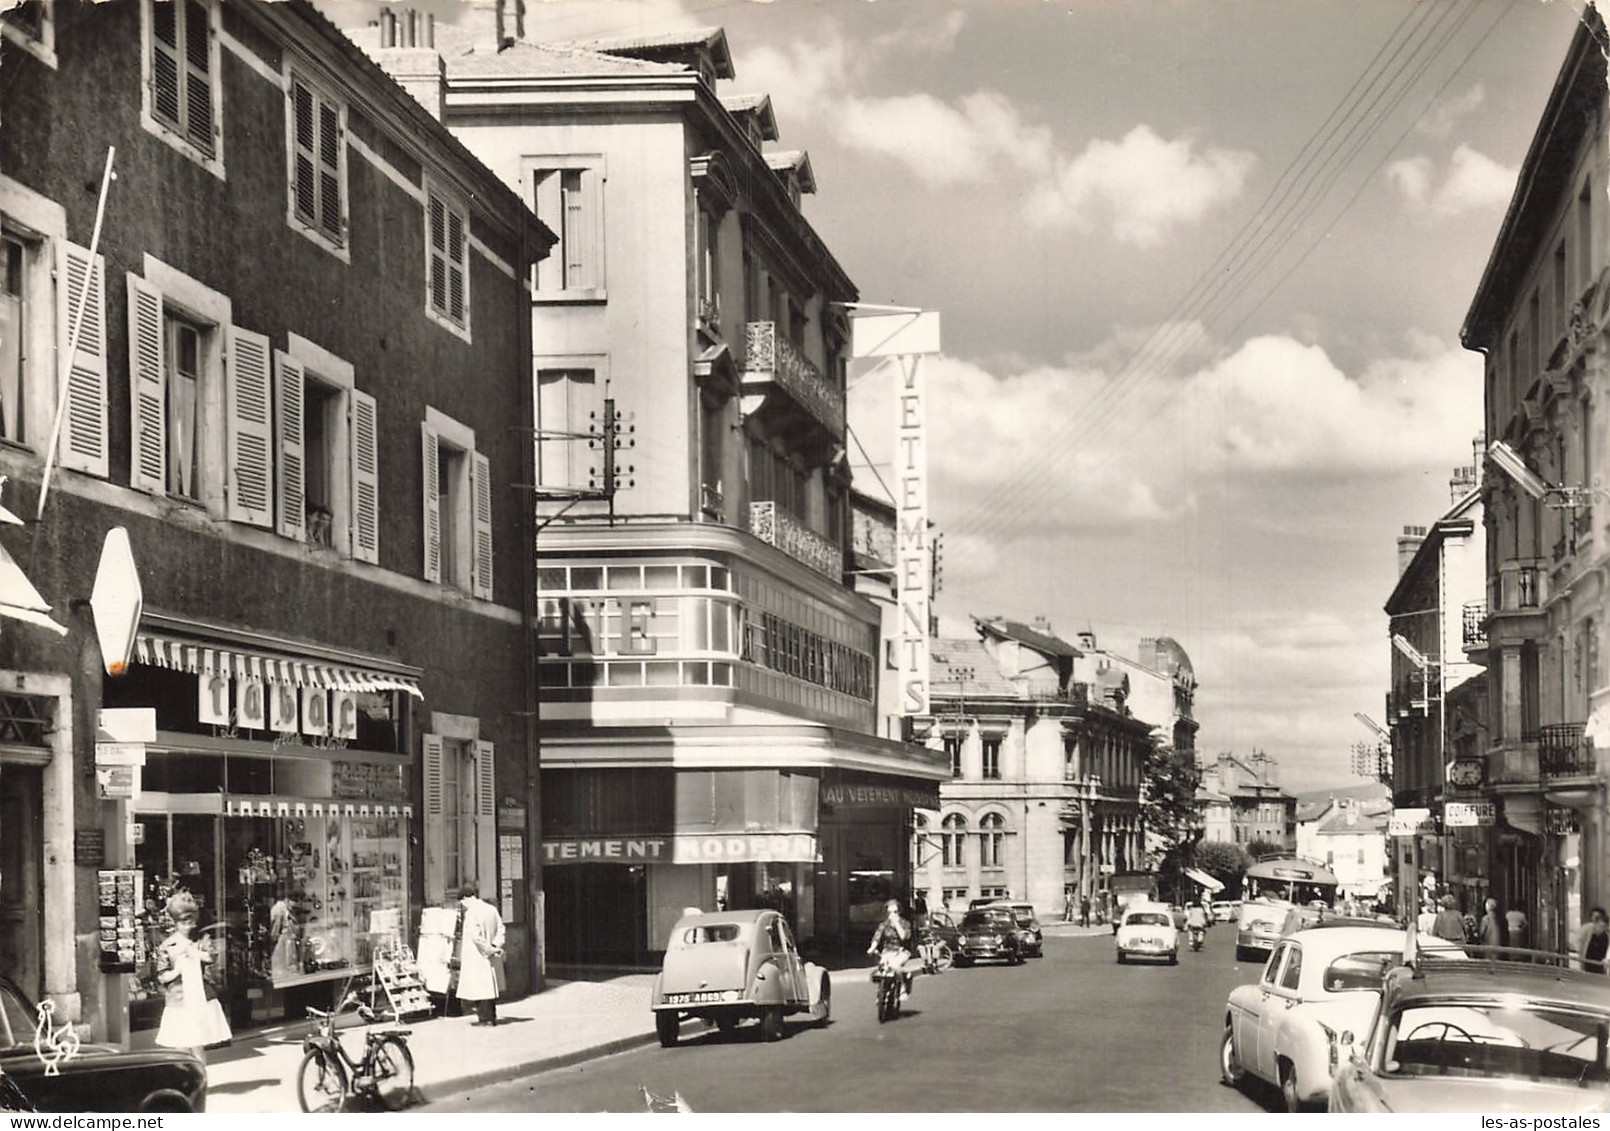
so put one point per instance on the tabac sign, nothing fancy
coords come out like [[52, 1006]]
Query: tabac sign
[[908, 337]]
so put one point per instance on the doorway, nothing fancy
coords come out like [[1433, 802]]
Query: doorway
[[22, 876]]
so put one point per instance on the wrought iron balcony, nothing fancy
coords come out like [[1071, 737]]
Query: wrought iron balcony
[[770, 358], [1563, 751], [777, 527], [1475, 624]]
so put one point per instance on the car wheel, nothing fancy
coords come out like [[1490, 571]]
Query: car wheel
[[1288, 1088], [1122, 959], [1173, 958], [1231, 1074], [1017, 958], [825, 1005], [1242, 953], [668, 1027], [771, 1022]]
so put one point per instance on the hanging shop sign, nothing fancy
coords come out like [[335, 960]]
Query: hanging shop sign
[[1409, 822], [250, 703], [1469, 814]]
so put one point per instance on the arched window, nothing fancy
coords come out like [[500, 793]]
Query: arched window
[[953, 840], [993, 827]]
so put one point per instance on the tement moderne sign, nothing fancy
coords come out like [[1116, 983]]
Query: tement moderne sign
[[686, 848]]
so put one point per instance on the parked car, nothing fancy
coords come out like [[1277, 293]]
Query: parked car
[[1258, 926], [1480, 1036], [1318, 983], [100, 1077], [1224, 910], [990, 934], [1028, 925], [727, 966], [943, 926], [1147, 931]]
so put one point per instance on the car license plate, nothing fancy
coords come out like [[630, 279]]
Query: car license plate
[[699, 998]]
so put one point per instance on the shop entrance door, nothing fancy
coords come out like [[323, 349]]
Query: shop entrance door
[[179, 850], [22, 876]]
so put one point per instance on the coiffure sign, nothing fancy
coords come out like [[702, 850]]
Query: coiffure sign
[[279, 707], [685, 848]]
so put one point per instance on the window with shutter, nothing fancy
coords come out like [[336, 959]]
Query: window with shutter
[[80, 285], [569, 401], [481, 490], [567, 195], [365, 451], [248, 428], [148, 378], [433, 508], [317, 131], [290, 462], [447, 263], [435, 790], [486, 860], [183, 92]]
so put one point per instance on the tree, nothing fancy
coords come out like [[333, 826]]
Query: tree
[[1262, 849], [1168, 806], [1224, 861]]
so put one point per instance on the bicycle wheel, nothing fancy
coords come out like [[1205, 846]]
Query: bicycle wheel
[[944, 957], [321, 1083], [393, 1066]]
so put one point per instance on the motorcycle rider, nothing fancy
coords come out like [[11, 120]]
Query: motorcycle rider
[[893, 935], [1196, 922]]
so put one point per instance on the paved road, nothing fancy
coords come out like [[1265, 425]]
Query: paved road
[[1070, 1032]]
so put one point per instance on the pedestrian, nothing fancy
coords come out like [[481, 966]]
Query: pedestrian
[[1084, 911], [1516, 920], [481, 954], [189, 1019], [1596, 941], [1449, 924], [1494, 930], [1427, 919]]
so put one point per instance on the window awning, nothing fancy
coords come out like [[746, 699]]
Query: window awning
[[1204, 879], [19, 600], [310, 807], [204, 659]]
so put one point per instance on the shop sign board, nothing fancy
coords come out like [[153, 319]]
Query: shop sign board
[[118, 783], [1469, 814], [748, 848], [598, 850], [126, 724], [880, 796], [272, 706], [116, 601], [1408, 822]]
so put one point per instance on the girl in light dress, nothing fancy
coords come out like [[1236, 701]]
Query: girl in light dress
[[189, 1020]]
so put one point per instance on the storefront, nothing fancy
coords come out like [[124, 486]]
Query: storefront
[[277, 794]]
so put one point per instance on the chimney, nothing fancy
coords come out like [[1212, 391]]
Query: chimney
[[416, 67], [1409, 542]]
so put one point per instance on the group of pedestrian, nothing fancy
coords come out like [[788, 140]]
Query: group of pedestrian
[[1498, 928]]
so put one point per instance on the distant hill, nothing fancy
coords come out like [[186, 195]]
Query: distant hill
[[1363, 791]]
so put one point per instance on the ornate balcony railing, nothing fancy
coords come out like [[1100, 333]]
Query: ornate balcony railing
[[1564, 751], [1475, 624], [770, 357], [775, 526]]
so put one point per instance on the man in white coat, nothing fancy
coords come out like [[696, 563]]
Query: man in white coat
[[479, 954]]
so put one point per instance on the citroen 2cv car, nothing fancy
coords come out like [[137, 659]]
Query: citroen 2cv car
[[725, 966]]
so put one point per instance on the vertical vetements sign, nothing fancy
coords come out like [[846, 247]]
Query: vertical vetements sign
[[907, 337], [913, 562]]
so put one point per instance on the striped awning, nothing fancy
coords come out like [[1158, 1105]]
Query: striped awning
[[254, 806], [204, 659]]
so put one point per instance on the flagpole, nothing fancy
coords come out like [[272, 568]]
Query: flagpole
[[64, 374]]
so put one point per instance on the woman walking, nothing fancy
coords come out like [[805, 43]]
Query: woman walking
[[189, 1020]]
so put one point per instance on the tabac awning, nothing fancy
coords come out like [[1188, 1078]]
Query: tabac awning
[[204, 659], [1205, 880]]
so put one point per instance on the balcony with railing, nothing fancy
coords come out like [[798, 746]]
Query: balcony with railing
[[771, 359], [777, 527], [1475, 625], [1563, 751]]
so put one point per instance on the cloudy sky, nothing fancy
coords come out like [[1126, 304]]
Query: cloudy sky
[[1202, 267]]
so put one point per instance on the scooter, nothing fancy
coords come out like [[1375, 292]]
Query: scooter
[[1197, 934], [890, 980]]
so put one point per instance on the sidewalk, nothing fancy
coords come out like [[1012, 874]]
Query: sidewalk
[[566, 1023]]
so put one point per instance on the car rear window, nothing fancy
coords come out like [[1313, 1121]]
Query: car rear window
[[982, 919], [714, 932], [1361, 971], [1148, 919], [1500, 1039]]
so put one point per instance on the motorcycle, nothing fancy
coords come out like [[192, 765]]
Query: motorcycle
[[890, 979], [1197, 934]]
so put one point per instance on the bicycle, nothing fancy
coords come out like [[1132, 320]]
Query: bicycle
[[328, 1075], [937, 956]]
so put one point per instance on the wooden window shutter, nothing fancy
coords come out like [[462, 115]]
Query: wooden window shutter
[[433, 505], [550, 210], [148, 436], [249, 435], [437, 222], [303, 157], [435, 875], [165, 61], [290, 447], [331, 144], [486, 807], [83, 437], [481, 501], [456, 248], [365, 450], [198, 76]]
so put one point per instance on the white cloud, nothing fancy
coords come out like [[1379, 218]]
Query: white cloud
[[1447, 112], [1473, 181], [973, 141], [1147, 185]]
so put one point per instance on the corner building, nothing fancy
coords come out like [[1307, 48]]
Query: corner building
[[708, 677], [304, 340]]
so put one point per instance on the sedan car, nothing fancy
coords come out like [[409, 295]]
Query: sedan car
[[1225, 910], [727, 966], [990, 934], [99, 1077], [1028, 925], [1480, 1036], [1147, 931], [1258, 926], [1318, 983]]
